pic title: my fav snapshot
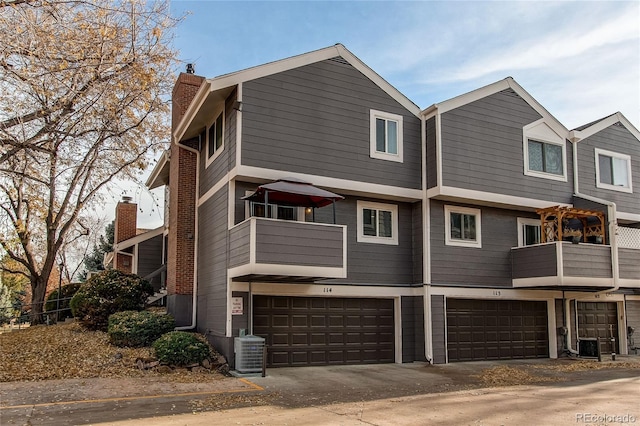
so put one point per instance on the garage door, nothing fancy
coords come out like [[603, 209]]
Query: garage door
[[496, 329], [302, 331], [599, 319]]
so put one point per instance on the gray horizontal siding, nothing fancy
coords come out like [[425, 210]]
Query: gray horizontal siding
[[629, 261], [617, 139], [209, 176], [534, 261], [315, 120], [438, 328], [586, 260], [239, 245], [412, 328], [489, 266], [482, 149], [418, 238], [212, 264], [149, 255], [432, 153], [633, 320], [369, 263], [298, 243]]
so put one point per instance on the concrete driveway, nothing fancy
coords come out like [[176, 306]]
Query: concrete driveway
[[373, 394]]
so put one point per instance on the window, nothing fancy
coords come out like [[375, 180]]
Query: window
[[545, 157], [528, 232], [613, 171], [462, 227], [215, 138], [275, 211], [544, 151], [386, 136], [377, 223]]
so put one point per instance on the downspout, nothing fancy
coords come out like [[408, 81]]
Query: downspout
[[612, 219], [426, 259], [194, 304]]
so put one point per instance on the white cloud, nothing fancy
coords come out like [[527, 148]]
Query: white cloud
[[545, 51]]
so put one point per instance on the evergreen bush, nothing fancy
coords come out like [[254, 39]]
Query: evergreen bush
[[180, 348], [106, 293], [67, 292], [138, 328]]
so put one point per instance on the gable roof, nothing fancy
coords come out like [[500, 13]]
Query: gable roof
[[214, 90], [498, 86], [596, 126]]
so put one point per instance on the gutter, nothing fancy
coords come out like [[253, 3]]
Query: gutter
[[612, 221], [194, 303]]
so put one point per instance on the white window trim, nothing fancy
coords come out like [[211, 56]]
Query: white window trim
[[625, 157], [528, 133], [447, 226], [372, 136], [526, 221], [206, 139], [393, 208]]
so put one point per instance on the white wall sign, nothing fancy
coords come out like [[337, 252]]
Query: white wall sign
[[236, 306]]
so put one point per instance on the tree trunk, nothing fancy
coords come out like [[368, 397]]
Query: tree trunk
[[38, 293]]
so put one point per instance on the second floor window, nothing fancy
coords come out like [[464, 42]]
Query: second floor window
[[273, 211], [528, 232], [613, 171], [462, 227], [377, 223]]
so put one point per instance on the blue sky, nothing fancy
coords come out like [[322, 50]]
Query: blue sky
[[580, 60]]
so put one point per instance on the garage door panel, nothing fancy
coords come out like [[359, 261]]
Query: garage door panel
[[329, 331], [599, 319], [496, 329]]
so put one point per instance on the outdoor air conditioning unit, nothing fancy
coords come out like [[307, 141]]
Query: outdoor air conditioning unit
[[249, 352], [588, 347]]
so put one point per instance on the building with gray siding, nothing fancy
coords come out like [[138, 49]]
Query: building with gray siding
[[437, 244]]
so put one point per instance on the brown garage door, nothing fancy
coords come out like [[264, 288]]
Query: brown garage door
[[496, 329], [599, 319], [303, 331]]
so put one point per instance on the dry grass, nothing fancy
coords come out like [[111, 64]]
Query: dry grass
[[67, 351], [505, 375]]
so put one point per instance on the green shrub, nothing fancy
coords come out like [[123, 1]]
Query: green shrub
[[180, 348], [107, 293], [67, 292], [133, 328]]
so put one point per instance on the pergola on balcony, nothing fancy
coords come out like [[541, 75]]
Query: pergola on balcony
[[559, 223]]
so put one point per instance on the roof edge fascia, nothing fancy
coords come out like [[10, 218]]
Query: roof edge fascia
[[603, 124], [227, 80], [162, 161], [138, 238], [490, 89]]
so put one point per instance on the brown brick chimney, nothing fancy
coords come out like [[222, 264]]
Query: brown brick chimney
[[125, 228], [182, 207]]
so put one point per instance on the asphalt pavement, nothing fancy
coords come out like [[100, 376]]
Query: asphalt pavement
[[395, 394]]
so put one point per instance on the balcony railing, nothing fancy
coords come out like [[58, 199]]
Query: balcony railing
[[559, 264], [268, 249]]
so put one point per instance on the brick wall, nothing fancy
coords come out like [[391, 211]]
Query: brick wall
[[182, 201], [125, 228], [126, 221]]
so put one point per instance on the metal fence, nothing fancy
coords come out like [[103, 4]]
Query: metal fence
[[21, 314]]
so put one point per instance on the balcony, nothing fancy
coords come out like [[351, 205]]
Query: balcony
[[563, 264], [268, 250]]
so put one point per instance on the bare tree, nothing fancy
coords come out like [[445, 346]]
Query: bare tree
[[84, 87]]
